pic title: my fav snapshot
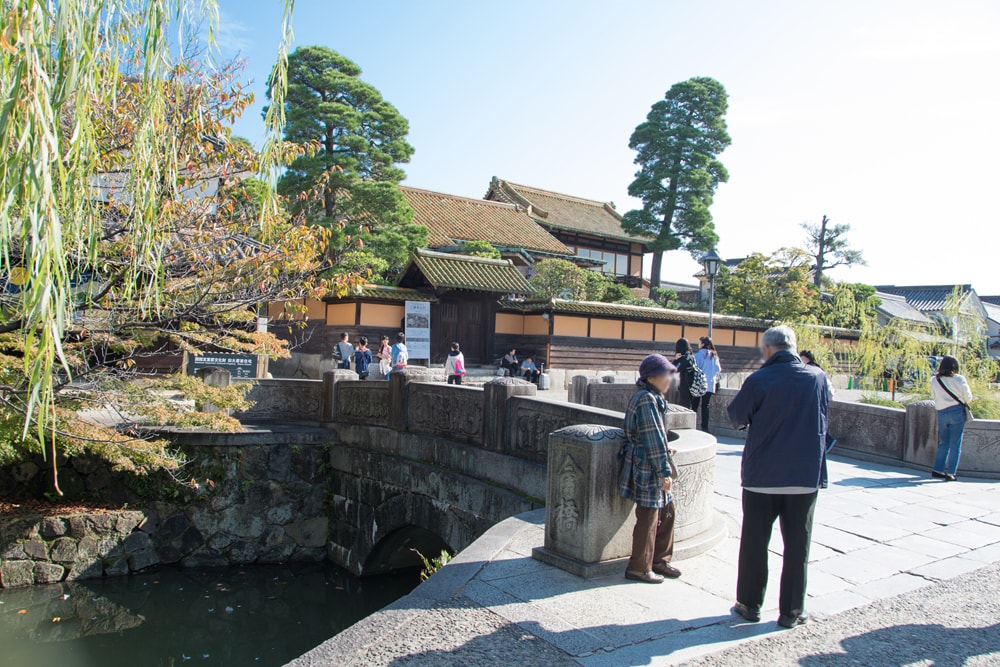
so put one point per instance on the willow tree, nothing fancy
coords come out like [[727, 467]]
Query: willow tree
[[107, 132]]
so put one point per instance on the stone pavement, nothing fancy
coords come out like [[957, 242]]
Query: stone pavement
[[879, 532]]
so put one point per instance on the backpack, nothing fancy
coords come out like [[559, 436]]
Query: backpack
[[699, 383], [401, 356]]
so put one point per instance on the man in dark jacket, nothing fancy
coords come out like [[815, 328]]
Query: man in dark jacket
[[785, 406]]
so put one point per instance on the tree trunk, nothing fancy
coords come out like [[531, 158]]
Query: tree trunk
[[820, 253], [654, 271]]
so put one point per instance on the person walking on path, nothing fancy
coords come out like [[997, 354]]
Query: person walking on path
[[384, 357], [454, 365], [707, 359], [785, 405], [344, 352], [686, 369], [362, 358], [952, 395], [647, 474], [399, 354]]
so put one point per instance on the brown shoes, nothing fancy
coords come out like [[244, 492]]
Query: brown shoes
[[667, 570], [645, 577]]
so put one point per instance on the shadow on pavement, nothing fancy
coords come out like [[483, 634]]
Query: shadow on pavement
[[912, 644], [530, 645]]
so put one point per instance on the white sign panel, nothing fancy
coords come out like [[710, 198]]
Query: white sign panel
[[418, 329]]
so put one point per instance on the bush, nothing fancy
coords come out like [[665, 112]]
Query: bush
[[480, 249]]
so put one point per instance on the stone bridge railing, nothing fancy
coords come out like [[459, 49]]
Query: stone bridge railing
[[865, 431]]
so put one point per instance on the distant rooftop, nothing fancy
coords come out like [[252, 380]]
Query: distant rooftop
[[995, 300], [924, 297], [564, 212], [451, 220], [896, 306]]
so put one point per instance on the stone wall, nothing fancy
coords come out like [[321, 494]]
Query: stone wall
[[283, 400], [260, 499], [909, 436]]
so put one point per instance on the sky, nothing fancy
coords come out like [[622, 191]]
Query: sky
[[878, 114]]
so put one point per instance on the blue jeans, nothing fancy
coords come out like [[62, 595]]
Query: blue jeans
[[951, 426]]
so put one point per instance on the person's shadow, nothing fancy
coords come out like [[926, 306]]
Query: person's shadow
[[529, 645], [912, 644]]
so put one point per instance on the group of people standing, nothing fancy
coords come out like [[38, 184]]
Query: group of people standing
[[361, 358], [784, 406], [699, 374]]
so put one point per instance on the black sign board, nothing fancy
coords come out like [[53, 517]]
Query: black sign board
[[239, 365]]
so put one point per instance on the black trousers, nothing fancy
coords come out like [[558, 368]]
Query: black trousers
[[706, 401], [795, 516]]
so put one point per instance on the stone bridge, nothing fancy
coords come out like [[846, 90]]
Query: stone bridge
[[428, 466], [359, 473]]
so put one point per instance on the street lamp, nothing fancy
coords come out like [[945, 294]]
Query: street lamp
[[711, 261]]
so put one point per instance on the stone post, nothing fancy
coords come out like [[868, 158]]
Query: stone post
[[399, 380], [578, 389], [496, 400], [920, 433], [214, 377], [588, 526], [586, 521], [328, 409]]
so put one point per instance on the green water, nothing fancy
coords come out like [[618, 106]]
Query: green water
[[262, 615]]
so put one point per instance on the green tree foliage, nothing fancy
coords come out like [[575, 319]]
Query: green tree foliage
[[596, 285], [559, 279], [829, 248], [678, 147], [480, 249], [617, 293], [356, 141], [851, 306], [666, 298], [769, 288]]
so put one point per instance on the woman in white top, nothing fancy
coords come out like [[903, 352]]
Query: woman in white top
[[707, 359], [951, 396]]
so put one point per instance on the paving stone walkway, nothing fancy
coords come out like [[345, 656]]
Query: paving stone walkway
[[880, 532]]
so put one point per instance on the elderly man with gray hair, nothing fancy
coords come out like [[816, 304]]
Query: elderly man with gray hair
[[785, 405]]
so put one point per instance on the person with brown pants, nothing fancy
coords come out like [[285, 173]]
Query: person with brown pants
[[647, 474]]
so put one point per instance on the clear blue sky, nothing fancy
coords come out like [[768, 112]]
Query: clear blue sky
[[880, 114]]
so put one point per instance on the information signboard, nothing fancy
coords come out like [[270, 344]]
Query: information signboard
[[242, 366], [418, 329]]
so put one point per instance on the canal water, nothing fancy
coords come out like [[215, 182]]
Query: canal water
[[261, 615]]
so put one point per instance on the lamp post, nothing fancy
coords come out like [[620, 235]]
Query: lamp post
[[711, 261]]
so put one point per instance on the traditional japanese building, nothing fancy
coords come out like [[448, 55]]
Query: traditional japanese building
[[452, 221], [591, 230]]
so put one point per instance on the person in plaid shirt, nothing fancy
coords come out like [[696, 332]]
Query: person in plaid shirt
[[647, 474]]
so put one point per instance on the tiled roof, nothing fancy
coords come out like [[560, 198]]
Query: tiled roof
[[659, 314], [680, 288], [995, 300], [564, 212], [389, 293], [447, 271], [893, 306], [992, 311], [924, 297], [450, 219]]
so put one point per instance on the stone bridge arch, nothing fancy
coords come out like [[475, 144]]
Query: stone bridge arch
[[383, 505]]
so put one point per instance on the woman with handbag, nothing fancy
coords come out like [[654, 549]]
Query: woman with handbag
[[647, 474], [952, 395]]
